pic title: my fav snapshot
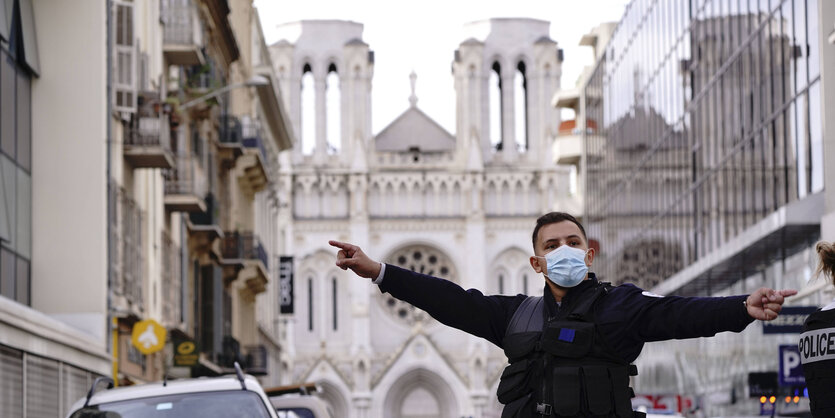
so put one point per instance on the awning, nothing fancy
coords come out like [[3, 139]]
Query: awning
[[785, 232]]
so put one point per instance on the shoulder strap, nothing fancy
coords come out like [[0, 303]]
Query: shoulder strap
[[582, 308], [528, 316]]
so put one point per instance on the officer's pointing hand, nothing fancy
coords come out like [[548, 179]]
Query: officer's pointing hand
[[351, 257], [765, 304]]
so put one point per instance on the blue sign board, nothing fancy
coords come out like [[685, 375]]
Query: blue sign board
[[789, 321], [791, 372]]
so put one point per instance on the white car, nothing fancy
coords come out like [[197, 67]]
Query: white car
[[297, 401], [203, 397]]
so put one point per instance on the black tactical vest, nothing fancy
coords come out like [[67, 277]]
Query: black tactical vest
[[817, 355], [562, 366]]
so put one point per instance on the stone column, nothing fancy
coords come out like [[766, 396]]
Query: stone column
[[320, 151], [508, 118]]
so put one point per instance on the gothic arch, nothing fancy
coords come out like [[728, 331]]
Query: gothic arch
[[334, 396], [513, 262], [437, 395]]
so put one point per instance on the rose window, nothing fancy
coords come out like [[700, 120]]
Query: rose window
[[421, 259]]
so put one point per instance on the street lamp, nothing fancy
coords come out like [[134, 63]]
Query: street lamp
[[254, 81]]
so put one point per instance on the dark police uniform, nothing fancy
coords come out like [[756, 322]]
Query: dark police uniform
[[817, 355], [588, 340]]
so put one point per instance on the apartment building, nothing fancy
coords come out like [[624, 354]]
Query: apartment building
[[705, 162], [133, 191]]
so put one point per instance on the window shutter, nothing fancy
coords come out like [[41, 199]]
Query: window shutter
[[41, 387], [124, 58], [75, 384], [11, 385]]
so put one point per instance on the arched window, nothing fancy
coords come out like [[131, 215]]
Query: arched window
[[495, 97], [334, 110], [308, 111], [525, 284], [520, 106], [335, 306], [501, 284], [310, 304]]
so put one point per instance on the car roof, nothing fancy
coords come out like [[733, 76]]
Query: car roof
[[172, 387]]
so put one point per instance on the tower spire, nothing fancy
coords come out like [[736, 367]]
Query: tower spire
[[413, 98]]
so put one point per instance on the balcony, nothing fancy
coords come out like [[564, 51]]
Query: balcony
[[126, 286], [568, 146], [242, 142], [186, 185], [147, 139], [244, 259], [182, 39], [204, 233]]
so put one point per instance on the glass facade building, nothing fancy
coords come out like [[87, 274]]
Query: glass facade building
[[702, 122]]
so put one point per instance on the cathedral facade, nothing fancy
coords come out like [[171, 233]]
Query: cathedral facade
[[460, 206]]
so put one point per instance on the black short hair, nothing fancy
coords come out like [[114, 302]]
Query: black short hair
[[552, 218]]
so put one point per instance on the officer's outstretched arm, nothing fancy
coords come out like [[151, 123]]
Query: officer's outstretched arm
[[765, 304], [351, 257]]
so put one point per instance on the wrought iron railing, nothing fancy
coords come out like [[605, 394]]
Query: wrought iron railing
[[126, 218], [181, 23], [187, 177], [245, 246], [149, 130]]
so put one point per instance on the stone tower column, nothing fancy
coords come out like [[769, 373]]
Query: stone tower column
[[320, 152], [543, 83], [470, 88], [508, 114]]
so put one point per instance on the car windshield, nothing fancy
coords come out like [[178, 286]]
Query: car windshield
[[295, 413], [237, 403]]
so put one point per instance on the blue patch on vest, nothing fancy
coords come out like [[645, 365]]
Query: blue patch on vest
[[566, 334]]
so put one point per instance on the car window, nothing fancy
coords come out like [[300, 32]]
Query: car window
[[295, 413], [238, 403]]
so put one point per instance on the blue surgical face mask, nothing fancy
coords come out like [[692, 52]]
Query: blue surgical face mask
[[566, 266]]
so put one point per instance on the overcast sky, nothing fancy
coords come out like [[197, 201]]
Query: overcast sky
[[423, 35]]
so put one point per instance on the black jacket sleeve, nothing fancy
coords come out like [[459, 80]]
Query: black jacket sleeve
[[630, 317], [467, 310]]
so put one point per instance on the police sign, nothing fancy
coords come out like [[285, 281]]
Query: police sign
[[791, 373], [817, 345], [790, 320], [285, 284]]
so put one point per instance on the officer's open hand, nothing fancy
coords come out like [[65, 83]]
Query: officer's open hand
[[351, 257], [765, 304]]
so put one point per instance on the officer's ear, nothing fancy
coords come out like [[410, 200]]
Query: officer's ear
[[538, 264], [589, 256]]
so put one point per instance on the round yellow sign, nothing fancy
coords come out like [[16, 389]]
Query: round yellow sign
[[148, 336], [186, 347]]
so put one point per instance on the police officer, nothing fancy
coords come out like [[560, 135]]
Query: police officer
[[570, 351], [817, 343]]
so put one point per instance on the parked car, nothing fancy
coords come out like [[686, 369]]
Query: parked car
[[298, 401], [204, 397]]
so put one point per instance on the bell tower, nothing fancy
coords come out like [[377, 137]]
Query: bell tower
[[324, 69], [505, 75]]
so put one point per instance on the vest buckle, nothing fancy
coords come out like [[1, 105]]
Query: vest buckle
[[543, 409]]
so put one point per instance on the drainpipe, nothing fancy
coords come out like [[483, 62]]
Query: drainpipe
[[112, 321]]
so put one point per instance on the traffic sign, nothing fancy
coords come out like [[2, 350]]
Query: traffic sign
[[148, 336], [790, 320], [791, 372]]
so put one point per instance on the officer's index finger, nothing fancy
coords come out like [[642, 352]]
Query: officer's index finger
[[343, 245]]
